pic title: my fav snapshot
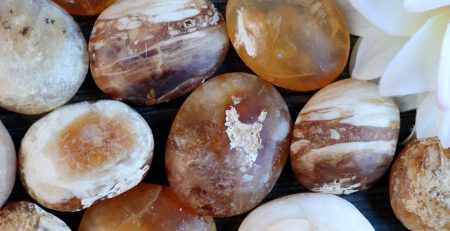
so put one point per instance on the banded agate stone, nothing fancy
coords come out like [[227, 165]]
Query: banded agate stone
[[152, 51], [344, 138], [84, 7], [228, 145], [300, 45], [145, 207]]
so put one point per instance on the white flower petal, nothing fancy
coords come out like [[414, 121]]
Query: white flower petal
[[357, 24], [424, 5], [443, 90], [374, 54], [415, 68], [390, 16], [406, 103]]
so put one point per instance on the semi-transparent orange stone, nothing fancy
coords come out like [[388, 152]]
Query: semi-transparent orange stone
[[147, 207], [228, 145], [84, 7], [300, 45]]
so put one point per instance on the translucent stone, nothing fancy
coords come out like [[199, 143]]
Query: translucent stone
[[84, 7], [420, 186], [145, 207], [295, 44], [7, 164], [152, 51], [306, 212], [228, 145], [43, 59], [83, 153], [27, 216], [344, 138]]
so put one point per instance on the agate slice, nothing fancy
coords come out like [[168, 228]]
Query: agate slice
[[306, 212], [228, 145], [7, 164], [152, 51], [26, 216], [83, 153], [298, 45], [84, 7], [420, 186], [145, 207], [344, 138], [43, 59]]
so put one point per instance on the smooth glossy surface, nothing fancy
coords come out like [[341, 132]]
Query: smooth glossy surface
[[7, 164], [43, 57], [420, 186], [147, 207], [295, 44], [152, 51], [228, 144], [344, 138], [84, 7], [26, 216], [306, 212], [83, 153]]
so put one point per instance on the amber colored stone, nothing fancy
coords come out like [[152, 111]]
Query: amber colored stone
[[420, 186], [295, 44], [26, 216], [84, 7], [228, 145], [152, 51], [344, 138], [147, 207]]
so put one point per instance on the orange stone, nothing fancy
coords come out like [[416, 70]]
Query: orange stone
[[84, 7], [298, 45], [145, 207], [228, 145]]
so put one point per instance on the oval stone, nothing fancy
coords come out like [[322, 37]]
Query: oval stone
[[84, 7], [7, 164], [344, 138], [228, 145], [300, 45], [152, 51]]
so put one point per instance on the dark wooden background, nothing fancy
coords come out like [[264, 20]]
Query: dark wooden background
[[373, 203]]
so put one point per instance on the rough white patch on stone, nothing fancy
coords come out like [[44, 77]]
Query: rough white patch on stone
[[337, 188], [50, 182], [244, 137], [214, 19], [299, 144], [7, 164], [246, 35], [334, 134], [126, 23], [236, 100]]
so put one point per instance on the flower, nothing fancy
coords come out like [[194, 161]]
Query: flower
[[407, 44]]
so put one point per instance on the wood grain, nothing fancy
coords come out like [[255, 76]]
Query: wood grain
[[373, 203]]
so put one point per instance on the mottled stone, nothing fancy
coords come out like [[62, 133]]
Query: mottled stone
[[83, 153], [26, 216], [295, 44], [145, 207], [152, 51], [43, 59], [420, 186], [84, 7], [228, 145], [7, 164], [306, 212], [344, 138]]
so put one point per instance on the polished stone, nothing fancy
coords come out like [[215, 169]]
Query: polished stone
[[7, 164], [84, 7]]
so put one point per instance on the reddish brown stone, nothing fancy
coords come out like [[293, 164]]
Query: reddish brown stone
[[84, 7]]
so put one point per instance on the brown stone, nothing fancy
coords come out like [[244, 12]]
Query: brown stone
[[420, 186], [295, 44], [228, 145], [84, 7], [145, 207], [150, 51]]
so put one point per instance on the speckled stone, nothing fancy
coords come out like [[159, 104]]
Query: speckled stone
[[7, 164], [26, 216], [84, 7], [152, 51], [228, 145], [344, 138], [420, 186], [43, 59], [145, 207], [300, 45]]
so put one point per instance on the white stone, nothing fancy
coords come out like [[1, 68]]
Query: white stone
[[7, 164]]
